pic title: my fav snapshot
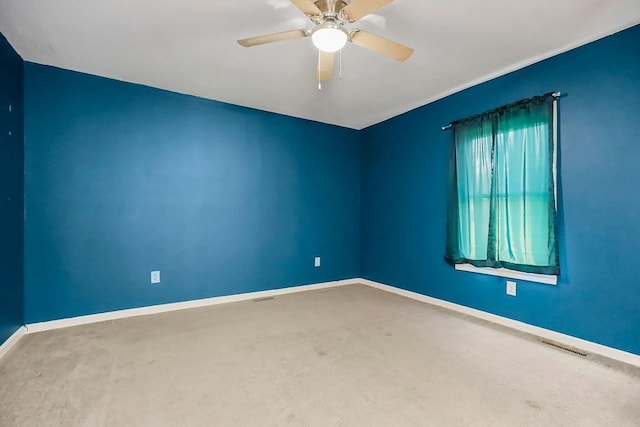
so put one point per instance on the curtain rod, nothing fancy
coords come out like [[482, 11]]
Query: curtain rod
[[554, 94]]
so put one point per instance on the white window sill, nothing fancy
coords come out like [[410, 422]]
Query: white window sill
[[510, 274]]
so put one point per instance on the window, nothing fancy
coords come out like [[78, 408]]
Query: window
[[502, 204]]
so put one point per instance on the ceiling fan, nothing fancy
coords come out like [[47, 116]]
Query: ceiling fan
[[330, 32]]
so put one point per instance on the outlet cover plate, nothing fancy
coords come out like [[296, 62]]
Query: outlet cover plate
[[155, 277], [511, 288], [317, 261]]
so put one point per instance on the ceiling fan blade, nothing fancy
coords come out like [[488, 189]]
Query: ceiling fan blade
[[307, 7], [359, 8], [325, 65], [275, 37], [381, 45]]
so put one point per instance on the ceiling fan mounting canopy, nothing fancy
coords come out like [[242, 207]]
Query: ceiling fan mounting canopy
[[330, 33]]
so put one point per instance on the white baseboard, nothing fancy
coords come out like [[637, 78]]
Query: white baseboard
[[568, 340], [13, 340], [162, 308]]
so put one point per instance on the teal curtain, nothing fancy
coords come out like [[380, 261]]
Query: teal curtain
[[502, 202]]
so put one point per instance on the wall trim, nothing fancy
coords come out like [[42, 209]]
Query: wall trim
[[568, 340], [183, 305], [12, 341], [571, 341]]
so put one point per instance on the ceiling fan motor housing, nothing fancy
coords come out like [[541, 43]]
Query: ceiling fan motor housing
[[331, 6]]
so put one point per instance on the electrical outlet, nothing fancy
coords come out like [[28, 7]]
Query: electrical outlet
[[155, 277], [317, 261], [511, 288]]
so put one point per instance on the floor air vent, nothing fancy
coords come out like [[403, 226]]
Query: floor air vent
[[263, 299], [563, 347]]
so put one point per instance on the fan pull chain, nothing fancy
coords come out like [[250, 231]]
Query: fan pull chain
[[319, 68], [340, 69]]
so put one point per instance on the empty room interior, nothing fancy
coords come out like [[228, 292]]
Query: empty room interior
[[340, 212]]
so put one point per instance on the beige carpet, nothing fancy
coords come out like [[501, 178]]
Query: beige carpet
[[352, 356]]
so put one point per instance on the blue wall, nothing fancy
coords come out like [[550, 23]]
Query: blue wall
[[11, 191], [404, 188], [124, 179]]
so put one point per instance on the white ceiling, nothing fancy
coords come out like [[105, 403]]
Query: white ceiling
[[189, 46]]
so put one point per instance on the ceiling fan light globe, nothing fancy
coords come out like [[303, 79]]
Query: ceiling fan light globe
[[329, 38]]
